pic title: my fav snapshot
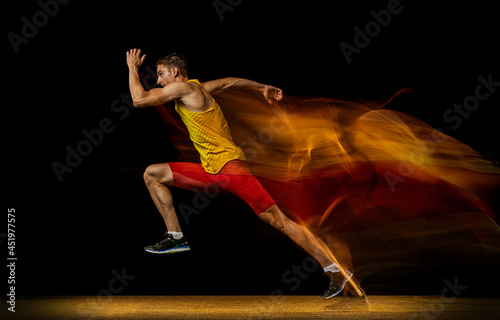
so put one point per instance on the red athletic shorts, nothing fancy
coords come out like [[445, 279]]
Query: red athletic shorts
[[235, 177]]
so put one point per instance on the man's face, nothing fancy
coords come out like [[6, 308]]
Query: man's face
[[164, 76]]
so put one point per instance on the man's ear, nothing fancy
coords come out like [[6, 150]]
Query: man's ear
[[174, 72]]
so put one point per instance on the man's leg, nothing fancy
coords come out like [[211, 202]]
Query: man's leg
[[338, 277], [240, 182], [298, 233], [157, 177]]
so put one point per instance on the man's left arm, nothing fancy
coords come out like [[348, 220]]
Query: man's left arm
[[270, 93]]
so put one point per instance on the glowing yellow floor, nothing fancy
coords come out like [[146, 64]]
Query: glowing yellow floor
[[254, 307]]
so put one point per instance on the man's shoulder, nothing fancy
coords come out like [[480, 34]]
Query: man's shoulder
[[179, 85], [194, 97], [181, 88]]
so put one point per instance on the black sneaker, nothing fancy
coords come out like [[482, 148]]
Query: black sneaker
[[337, 283], [169, 245]]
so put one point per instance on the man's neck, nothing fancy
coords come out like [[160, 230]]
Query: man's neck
[[181, 78]]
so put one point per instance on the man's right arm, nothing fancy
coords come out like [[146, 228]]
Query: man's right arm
[[269, 92], [154, 97]]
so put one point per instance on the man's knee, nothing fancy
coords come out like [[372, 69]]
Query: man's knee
[[158, 173]]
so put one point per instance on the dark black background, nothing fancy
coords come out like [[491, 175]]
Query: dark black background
[[72, 234]]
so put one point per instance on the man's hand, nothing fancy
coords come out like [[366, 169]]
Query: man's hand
[[272, 93], [134, 58]]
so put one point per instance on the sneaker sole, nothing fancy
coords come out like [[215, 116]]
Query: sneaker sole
[[173, 250], [349, 276]]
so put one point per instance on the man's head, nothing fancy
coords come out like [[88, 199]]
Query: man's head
[[171, 68]]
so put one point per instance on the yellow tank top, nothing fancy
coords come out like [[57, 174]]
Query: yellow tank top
[[210, 135]]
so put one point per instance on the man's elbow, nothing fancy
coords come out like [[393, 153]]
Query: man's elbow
[[140, 103]]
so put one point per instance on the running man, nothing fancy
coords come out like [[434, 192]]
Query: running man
[[223, 164]]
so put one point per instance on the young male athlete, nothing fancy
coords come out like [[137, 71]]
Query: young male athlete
[[223, 164]]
